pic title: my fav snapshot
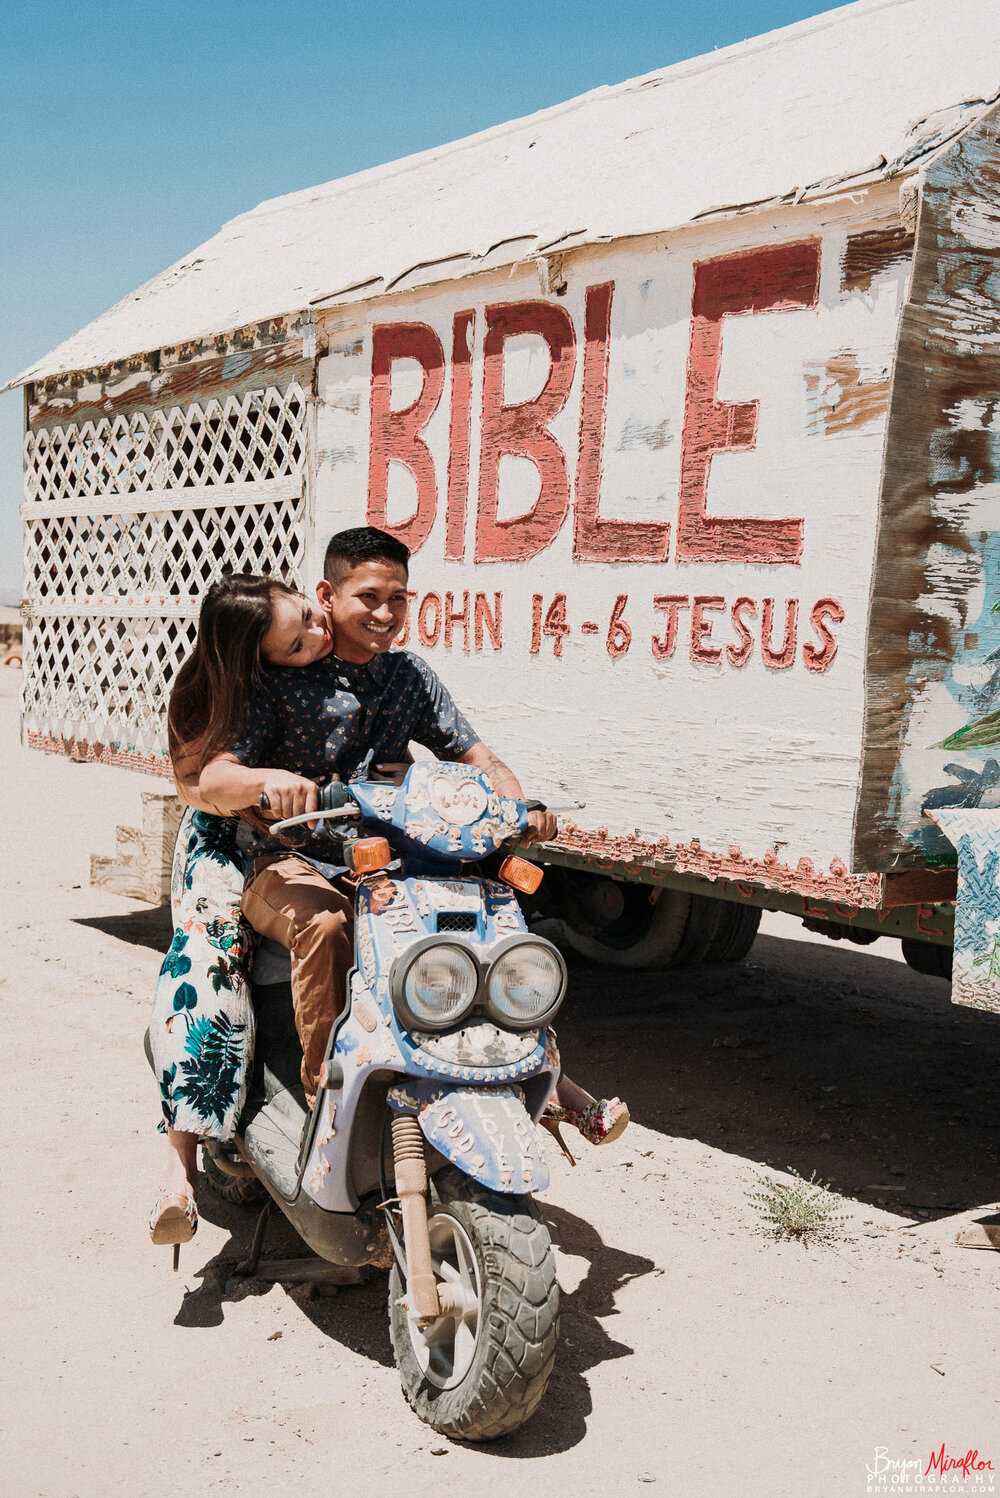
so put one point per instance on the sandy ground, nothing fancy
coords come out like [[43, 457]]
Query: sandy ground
[[697, 1353]]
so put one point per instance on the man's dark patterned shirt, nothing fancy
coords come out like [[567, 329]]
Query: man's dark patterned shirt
[[323, 719]]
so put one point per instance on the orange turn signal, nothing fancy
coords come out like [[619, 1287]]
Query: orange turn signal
[[522, 875], [368, 854]]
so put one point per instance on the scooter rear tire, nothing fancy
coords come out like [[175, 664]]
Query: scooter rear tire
[[512, 1273], [244, 1191]]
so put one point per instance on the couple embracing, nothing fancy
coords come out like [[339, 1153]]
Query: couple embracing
[[279, 694]]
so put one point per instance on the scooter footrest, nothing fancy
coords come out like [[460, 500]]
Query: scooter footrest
[[271, 1139]]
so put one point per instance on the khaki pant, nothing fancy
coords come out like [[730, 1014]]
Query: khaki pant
[[290, 902]]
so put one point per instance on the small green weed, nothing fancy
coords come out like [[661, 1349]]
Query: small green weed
[[803, 1209]]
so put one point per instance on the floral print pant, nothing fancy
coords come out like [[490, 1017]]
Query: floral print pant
[[201, 1032]]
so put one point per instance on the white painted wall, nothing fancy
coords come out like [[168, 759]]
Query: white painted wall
[[750, 757]]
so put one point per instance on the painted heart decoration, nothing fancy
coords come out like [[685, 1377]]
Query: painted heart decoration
[[459, 803]]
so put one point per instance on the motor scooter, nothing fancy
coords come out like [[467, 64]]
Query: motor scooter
[[420, 1152]]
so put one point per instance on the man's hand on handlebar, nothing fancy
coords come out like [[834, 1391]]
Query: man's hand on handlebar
[[542, 827], [290, 795]]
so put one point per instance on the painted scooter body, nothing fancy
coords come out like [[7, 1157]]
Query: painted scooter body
[[476, 1088]]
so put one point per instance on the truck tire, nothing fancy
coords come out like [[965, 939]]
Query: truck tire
[[735, 933], [716, 931], [700, 932], [927, 957], [646, 935], [480, 1374]]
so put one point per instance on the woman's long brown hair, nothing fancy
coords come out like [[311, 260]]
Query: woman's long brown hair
[[208, 700]]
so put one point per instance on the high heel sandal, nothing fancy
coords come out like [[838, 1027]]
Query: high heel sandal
[[173, 1220], [600, 1122]]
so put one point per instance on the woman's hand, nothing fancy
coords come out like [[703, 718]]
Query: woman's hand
[[231, 787], [394, 774], [289, 795]]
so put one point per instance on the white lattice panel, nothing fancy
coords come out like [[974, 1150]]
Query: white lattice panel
[[126, 523], [163, 553], [261, 436]]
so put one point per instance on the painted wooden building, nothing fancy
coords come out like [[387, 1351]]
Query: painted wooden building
[[685, 395]]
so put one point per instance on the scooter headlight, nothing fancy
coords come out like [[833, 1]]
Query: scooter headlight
[[439, 985], [526, 983]]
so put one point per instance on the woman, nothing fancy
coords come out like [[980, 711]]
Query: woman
[[201, 1033], [202, 1029]]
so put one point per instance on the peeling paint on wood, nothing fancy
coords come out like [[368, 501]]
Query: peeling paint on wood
[[784, 279], [177, 385], [768, 872], [233, 361], [838, 396], [142, 762], [868, 255], [716, 697], [937, 553]]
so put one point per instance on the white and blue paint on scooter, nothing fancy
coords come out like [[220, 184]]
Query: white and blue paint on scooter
[[477, 1087]]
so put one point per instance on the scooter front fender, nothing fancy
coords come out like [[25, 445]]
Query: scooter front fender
[[488, 1133]]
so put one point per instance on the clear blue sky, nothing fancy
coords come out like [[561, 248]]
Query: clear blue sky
[[132, 132]]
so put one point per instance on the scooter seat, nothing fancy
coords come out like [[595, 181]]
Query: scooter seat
[[272, 963]]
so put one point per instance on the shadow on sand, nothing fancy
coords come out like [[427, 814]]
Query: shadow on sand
[[356, 1316], [151, 928], [844, 1063], [847, 1063]]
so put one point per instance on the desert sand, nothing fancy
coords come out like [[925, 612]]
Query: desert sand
[[700, 1357]]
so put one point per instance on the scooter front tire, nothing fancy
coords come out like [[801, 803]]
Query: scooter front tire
[[481, 1374]]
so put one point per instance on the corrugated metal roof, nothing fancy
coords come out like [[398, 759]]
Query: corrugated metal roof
[[858, 92]]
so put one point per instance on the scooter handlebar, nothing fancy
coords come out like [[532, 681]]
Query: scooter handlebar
[[351, 811], [338, 814], [547, 806]]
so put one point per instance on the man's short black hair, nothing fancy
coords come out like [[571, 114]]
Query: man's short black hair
[[364, 543]]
